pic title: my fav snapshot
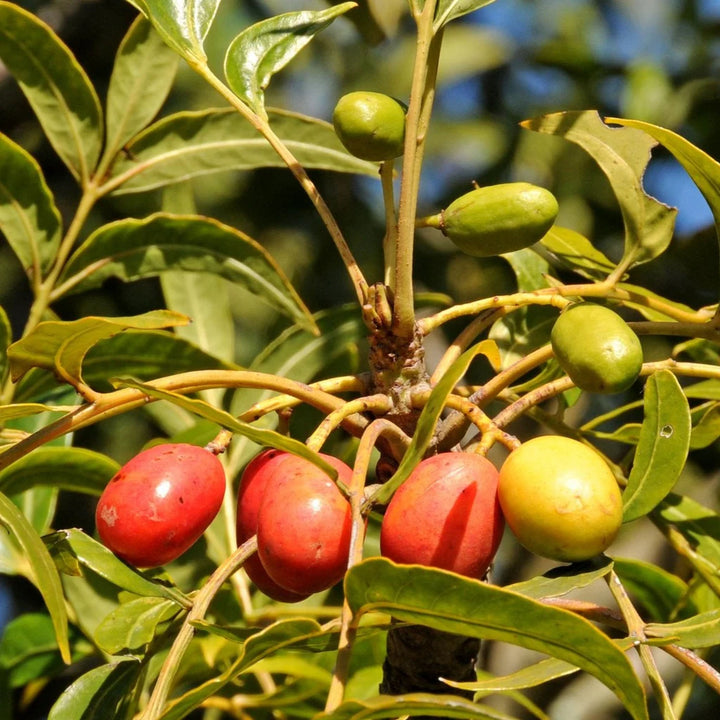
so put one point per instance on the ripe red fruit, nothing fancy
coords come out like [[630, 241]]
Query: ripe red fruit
[[445, 515], [160, 503], [252, 489], [304, 526]]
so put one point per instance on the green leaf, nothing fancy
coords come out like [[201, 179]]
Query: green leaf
[[5, 340], [411, 705], [660, 592], [454, 604], [183, 24], [266, 47], [56, 87], [448, 10], [699, 631], [99, 694], [72, 547], [22, 410], [564, 579], [706, 430], [662, 447], [573, 251], [623, 155], [29, 218], [132, 249], [141, 79], [259, 435], [523, 331], [651, 313], [430, 415], [190, 144], [41, 569], [29, 649], [61, 346], [703, 169], [134, 624], [71, 468]]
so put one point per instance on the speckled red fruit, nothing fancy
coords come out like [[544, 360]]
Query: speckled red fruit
[[445, 515], [250, 494], [304, 526], [160, 503]]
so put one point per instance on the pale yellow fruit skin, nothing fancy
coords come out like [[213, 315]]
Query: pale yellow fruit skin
[[560, 498]]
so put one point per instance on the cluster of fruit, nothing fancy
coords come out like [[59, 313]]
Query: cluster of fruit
[[557, 495]]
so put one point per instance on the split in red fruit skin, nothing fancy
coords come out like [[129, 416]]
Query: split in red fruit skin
[[304, 526], [445, 515], [160, 503], [252, 489]]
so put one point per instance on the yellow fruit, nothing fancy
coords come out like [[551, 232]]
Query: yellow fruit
[[596, 348], [560, 498]]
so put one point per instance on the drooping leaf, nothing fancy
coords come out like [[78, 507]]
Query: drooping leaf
[[73, 548], [448, 10], [141, 79], [61, 346], [189, 144], [73, 468], [21, 410], [412, 705], [183, 24], [5, 340], [266, 47], [41, 569], [56, 87], [649, 312], [430, 415], [99, 694], [143, 354], [451, 603], [29, 219], [132, 249], [530, 269], [662, 447], [623, 155], [573, 251], [564, 579], [134, 624], [707, 429], [660, 592], [703, 169], [698, 631]]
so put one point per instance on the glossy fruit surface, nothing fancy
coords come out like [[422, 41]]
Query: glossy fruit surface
[[370, 125], [445, 515], [160, 503], [498, 219], [304, 526], [596, 348], [560, 498], [251, 491]]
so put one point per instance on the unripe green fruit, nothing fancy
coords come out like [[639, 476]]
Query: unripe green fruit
[[560, 498], [370, 125], [497, 219], [596, 348]]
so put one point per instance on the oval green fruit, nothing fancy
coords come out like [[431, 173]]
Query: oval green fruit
[[497, 219], [596, 348], [370, 125]]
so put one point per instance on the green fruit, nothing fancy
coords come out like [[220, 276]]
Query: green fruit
[[596, 348], [497, 219], [560, 498], [370, 125]]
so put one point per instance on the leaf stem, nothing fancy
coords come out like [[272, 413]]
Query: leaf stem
[[299, 172], [201, 603]]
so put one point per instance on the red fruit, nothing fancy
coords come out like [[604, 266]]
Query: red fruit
[[250, 494], [160, 503], [304, 526], [445, 515]]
